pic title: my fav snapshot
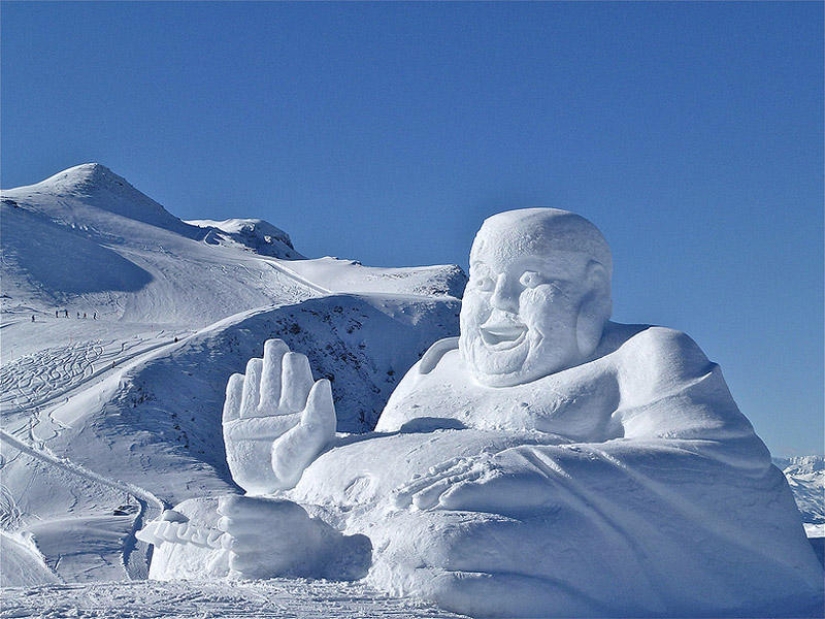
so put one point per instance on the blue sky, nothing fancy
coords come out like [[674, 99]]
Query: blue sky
[[690, 133]]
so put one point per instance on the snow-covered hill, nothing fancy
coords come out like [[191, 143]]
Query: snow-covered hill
[[120, 326]]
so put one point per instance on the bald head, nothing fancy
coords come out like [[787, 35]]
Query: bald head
[[538, 296], [541, 231]]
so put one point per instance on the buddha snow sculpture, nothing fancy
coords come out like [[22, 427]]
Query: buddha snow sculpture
[[546, 463]]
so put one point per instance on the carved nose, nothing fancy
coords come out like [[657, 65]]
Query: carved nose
[[505, 295]]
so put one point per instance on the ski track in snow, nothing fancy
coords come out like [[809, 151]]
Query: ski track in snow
[[30, 379], [283, 599], [38, 378], [151, 506]]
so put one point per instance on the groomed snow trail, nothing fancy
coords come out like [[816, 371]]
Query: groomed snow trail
[[150, 506], [281, 599]]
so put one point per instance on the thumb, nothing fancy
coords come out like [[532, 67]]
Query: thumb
[[319, 413]]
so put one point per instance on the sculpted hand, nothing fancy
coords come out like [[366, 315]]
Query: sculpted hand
[[270, 538], [506, 483], [266, 537], [276, 420]]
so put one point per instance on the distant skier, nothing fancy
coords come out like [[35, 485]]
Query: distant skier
[[32, 317], [67, 313], [56, 314]]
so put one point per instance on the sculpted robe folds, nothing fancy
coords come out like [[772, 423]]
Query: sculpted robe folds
[[629, 485]]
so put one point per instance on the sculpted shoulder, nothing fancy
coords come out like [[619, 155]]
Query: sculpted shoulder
[[669, 389], [426, 394], [652, 362]]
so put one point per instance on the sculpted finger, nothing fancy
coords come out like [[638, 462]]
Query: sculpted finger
[[251, 388], [435, 474], [430, 496], [227, 503], [225, 524], [452, 492], [426, 492], [296, 381], [274, 351], [465, 496], [319, 414], [234, 392]]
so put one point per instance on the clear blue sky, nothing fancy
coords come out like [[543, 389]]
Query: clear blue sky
[[690, 133]]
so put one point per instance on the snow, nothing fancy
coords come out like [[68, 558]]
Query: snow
[[350, 276], [487, 497], [147, 599], [23, 565], [111, 398], [254, 234]]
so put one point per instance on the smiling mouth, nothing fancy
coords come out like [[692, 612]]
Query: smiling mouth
[[502, 337]]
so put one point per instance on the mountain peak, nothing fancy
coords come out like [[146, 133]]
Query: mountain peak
[[95, 186], [87, 177]]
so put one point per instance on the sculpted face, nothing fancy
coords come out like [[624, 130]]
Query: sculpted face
[[538, 296]]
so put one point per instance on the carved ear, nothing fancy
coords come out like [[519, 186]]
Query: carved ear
[[595, 309]]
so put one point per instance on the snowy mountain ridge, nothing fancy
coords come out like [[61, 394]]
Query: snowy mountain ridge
[[255, 235], [95, 185]]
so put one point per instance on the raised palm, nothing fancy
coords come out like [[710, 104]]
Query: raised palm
[[276, 420]]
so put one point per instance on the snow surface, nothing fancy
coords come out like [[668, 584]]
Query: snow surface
[[111, 398], [112, 419], [276, 599]]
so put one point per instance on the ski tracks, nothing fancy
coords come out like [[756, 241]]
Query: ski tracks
[[151, 506]]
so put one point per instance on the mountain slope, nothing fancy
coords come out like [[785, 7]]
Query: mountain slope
[[120, 326], [87, 241]]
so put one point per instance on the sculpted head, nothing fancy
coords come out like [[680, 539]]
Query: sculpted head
[[538, 296]]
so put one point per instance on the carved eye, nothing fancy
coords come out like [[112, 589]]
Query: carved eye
[[485, 283], [530, 279]]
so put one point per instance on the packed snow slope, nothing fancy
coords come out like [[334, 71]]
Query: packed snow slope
[[120, 327], [261, 599]]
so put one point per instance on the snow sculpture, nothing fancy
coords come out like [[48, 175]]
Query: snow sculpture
[[275, 413], [546, 463]]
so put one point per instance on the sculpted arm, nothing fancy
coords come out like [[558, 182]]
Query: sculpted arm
[[276, 421]]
